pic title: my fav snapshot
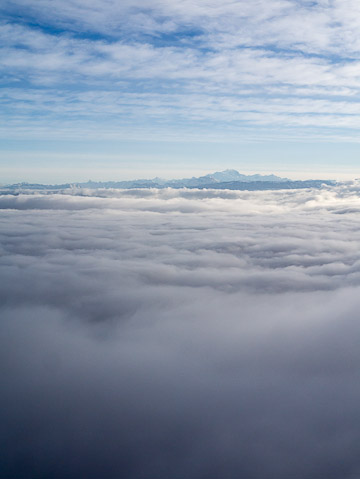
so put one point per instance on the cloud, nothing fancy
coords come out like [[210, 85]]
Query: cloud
[[186, 67], [306, 26], [182, 333]]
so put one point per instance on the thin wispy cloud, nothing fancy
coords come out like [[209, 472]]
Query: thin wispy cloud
[[183, 65]]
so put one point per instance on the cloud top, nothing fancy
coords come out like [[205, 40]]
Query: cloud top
[[182, 333]]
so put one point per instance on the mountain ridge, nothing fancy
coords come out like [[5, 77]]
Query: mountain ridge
[[226, 179]]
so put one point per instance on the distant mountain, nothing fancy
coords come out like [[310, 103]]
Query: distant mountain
[[233, 175], [220, 177], [227, 179]]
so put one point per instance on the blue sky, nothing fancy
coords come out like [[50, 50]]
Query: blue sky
[[104, 89]]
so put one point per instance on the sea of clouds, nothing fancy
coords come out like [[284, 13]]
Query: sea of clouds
[[173, 334]]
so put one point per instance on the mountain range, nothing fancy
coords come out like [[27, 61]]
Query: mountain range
[[227, 179]]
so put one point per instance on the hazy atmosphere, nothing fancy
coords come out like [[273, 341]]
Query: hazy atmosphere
[[179, 239]]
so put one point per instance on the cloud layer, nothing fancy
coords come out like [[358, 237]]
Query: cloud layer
[[177, 333], [177, 69]]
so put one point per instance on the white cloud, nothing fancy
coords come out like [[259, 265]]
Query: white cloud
[[163, 59], [180, 330]]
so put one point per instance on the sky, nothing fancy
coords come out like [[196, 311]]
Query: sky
[[195, 334], [107, 89]]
